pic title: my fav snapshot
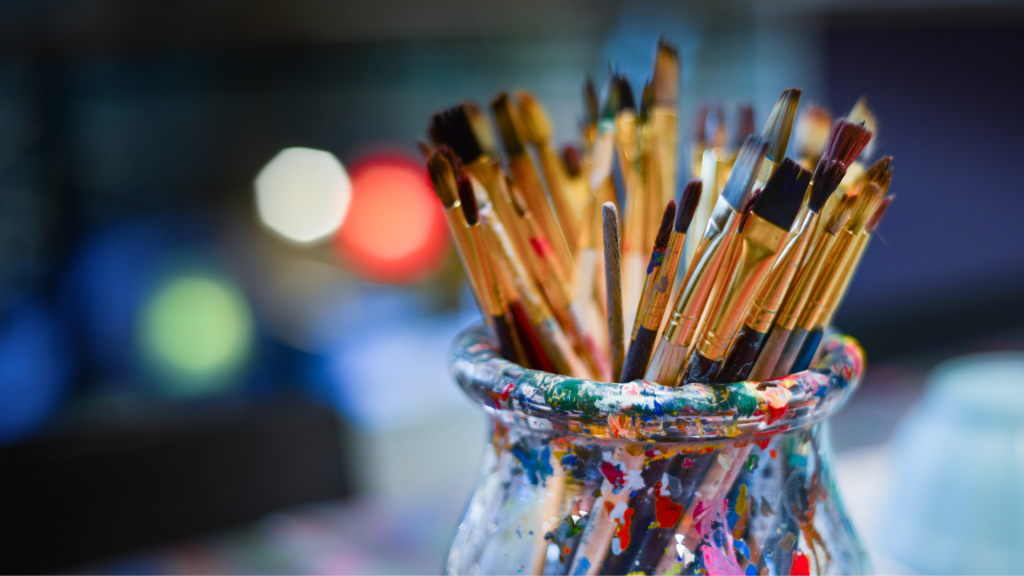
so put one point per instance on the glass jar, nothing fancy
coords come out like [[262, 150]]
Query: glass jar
[[587, 477]]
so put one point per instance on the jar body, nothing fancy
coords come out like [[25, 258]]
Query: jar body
[[584, 477], [572, 504]]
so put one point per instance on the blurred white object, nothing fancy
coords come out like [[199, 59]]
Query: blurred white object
[[957, 501], [303, 194]]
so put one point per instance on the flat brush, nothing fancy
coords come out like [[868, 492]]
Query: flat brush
[[660, 284], [845, 143], [776, 131], [537, 130], [613, 281], [524, 173], [664, 120], [670, 354], [642, 342], [767, 364], [762, 236], [713, 167], [747, 345]]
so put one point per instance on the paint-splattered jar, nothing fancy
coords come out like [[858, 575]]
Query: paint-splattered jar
[[587, 477]]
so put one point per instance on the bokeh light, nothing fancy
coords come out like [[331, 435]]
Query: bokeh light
[[303, 194], [395, 231], [197, 330]]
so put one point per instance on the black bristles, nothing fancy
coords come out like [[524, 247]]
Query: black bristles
[[744, 126], [646, 102], [468, 199], [687, 205], [744, 172], [826, 180], [846, 141], [571, 159], [783, 194], [665, 230], [451, 127], [611, 101], [780, 124], [590, 101], [626, 100], [507, 120]]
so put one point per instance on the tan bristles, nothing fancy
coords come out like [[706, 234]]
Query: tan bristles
[[443, 178], [865, 204], [880, 173], [812, 130], [509, 125], [536, 125], [666, 74], [879, 212], [839, 215], [480, 127]]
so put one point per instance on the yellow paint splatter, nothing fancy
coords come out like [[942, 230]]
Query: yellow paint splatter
[[741, 500]]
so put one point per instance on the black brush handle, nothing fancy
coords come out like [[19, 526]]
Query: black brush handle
[[506, 342], [764, 366], [742, 356], [699, 369], [808, 350], [787, 360], [639, 355]]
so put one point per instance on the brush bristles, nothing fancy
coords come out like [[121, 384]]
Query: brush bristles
[[572, 161], [480, 127], [861, 114], [879, 212], [665, 230], [783, 194], [442, 177], [468, 199], [834, 222], [626, 100], [687, 205], [780, 124], [508, 125], [666, 74], [536, 124], [812, 130], [866, 202], [846, 141], [452, 128], [591, 101], [744, 126], [826, 180], [880, 173], [646, 102], [744, 171], [700, 132]]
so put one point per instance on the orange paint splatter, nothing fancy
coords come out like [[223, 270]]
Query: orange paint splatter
[[773, 453], [800, 567], [622, 528]]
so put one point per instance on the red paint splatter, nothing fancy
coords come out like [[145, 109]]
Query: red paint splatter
[[613, 474], [773, 453], [541, 246], [687, 463], [566, 550], [666, 511], [650, 453], [763, 442], [608, 506], [800, 567], [507, 391], [622, 528]]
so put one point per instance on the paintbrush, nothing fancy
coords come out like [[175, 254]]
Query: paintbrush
[[639, 350], [812, 131], [537, 130], [613, 280], [777, 130], [661, 274], [664, 117], [762, 235], [577, 187], [747, 345], [670, 354], [713, 168], [592, 110], [524, 173]]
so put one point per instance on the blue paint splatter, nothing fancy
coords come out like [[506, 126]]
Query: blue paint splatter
[[582, 567], [536, 463]]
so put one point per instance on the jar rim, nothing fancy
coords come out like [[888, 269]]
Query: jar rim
[[650, 411]]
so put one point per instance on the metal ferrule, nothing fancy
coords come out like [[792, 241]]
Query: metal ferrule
[[836, 298], [696, 287], [797, 297], [840, 254], [759, 244], [773, 289], [659, 286]]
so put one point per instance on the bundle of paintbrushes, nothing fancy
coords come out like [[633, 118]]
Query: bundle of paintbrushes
[[573, 256]]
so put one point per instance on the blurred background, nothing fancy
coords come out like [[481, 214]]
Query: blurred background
[[227, 292]]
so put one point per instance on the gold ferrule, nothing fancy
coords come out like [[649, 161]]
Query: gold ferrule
[[797, 297], [700, 278], [759, 244], [773, 288], [845, 275], [658, 287], [840, 253], [626, 136]]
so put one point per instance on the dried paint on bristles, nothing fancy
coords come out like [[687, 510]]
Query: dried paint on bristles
[[862, 114], [536, 124], [452, 128], [744, 126], [687, 205], [834, 222], [783, 194], [468, 199], [507, 119], [744, 171], [442, 176], [666, 74], [846, 141], [880, 173], [879, 212], [573, 162], [665, 230], [780, 124], [826, 180], [812, 130]]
